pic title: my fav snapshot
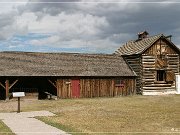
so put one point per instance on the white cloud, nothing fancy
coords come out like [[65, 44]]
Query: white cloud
[[8, 22], [9, 5], [63, 23], [70, 30], [93, 25], [98, 45], [47, 41], [9, 26]]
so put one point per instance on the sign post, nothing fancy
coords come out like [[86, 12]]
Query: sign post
[[18, 111], [18, 95]]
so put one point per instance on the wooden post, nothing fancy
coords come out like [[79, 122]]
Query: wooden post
[[57, 89], [18, 111], [7, 89]]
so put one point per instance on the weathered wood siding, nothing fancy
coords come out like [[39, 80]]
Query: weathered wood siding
[[146, 65], [134, 61], [96, 88], [160, 45], [151, 63], [64, 88]]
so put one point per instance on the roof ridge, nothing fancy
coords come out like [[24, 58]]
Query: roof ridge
[[63, 53], [157, 35], [160, 34]]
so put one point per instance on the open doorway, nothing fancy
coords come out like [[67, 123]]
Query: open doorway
[[34, 87]]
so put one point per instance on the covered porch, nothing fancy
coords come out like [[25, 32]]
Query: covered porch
[[32, 86]]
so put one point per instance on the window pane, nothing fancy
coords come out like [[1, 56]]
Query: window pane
[[160, 75], [117, 81]]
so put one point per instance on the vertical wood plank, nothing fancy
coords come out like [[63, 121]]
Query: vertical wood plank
[[7, 89]]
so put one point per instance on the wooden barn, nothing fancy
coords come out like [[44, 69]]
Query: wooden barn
[[65, 75], [155, 59]]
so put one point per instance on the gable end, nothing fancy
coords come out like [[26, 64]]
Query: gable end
[[161, 46]]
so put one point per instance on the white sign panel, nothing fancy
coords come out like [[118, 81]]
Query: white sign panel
[[178, 84], [18, 94]]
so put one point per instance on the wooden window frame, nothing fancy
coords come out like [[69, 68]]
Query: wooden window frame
[[162, 74], [119, 82]]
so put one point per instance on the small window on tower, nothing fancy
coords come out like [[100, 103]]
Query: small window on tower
[[161, 75]]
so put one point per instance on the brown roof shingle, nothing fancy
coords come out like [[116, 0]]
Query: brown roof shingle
[[62, 64], [138, 46]]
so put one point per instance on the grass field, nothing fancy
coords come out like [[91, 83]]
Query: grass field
[[141, 114]]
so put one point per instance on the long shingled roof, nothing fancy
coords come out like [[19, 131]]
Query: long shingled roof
[[62, 64], [138, 46]]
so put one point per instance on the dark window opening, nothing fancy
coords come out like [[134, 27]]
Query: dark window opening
[[161, 75], [119, 82]]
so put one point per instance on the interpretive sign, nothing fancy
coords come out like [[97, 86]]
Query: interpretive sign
[[18, 95]]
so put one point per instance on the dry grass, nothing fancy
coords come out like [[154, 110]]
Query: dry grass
[[121, 114]]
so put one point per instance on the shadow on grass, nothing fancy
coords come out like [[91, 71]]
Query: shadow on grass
[[67, 129]]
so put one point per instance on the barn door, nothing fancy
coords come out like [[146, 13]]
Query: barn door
[[75, 83]]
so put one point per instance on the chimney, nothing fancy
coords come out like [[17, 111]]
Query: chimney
[[169, 37], [142, 35]]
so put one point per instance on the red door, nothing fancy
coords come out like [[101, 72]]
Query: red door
[[75, 88]]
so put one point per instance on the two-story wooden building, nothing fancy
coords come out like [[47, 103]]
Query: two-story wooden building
[[155, 59]]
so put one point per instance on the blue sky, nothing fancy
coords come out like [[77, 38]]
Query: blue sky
[[83, 26]]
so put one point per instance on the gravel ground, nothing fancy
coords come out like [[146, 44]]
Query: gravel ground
[[11, 105]]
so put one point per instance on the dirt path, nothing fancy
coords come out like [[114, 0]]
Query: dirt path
[[24, 124]]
